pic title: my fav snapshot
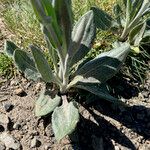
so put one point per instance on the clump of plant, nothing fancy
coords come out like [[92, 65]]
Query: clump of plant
[[67, 43], [131, 26], [6, 66]]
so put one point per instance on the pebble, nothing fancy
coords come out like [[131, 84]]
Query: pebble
[[38, 86], [116, 148], [13, 82], [2, 146], [35, 143], [20, 92], [9, 141], [16, 126], [4, 119], [145, 94], [47, 147], [8, 107]]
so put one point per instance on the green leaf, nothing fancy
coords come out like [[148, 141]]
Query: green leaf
[[9, 48], [102, 20], [39, 11], [25, 64], [64, 120], [135, 32], [128, 11], [46, 15], [139, 37], [104, 66], [46, 103], [83, 35], [42, 64], [134, 7], [50, 11], [65, 19], [99, 91], [118, 13]]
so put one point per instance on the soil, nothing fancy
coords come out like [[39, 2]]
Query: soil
[[102, 126]]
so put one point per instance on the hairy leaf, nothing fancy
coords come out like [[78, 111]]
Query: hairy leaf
[[139, 36], [83, 35], [118, 13], [42, 64], [9, 48], [25, 64], [64, 120], [135, 32], [103, 67], [46, 15], [128, 11], [99, 91], [46, 103], [64, 18], [102, 20]]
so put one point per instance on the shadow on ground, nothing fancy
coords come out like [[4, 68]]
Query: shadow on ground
[[94, 130]]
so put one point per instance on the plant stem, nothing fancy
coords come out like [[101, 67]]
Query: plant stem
[[64, 98]]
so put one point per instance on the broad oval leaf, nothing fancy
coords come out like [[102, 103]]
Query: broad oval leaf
[[103, 67], [118, 13], [64, 17], [25, 64], [100, 91], [64, 120], [83, 35], [139, 28], [46, 103], [102, 20], [9, 48], [42, 64]]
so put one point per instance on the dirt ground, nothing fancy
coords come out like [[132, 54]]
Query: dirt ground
[[101, 127]]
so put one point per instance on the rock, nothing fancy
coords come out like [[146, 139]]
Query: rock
[[35, 143], [116, 148], [20, 92], [2, 146], [16, 126], [144, 147], [4, 120], [145, 94], [38, 86], [13, 83], [9, 141], [8, 107], [47, 147]]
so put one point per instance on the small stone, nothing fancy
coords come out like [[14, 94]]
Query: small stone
[[9, 141], [145, 94], [4, 120], [13, 82], [116, 148], [38, 86], [35, 143], [2, 146], [20, 92], [47, 147], [8, 107], [141, 96], [16, 126]]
